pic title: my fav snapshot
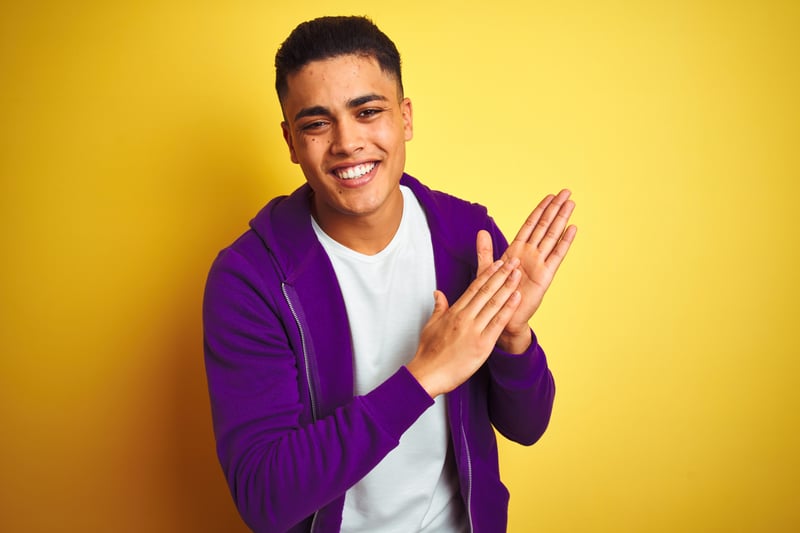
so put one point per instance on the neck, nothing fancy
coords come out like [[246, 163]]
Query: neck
[[366, 234]]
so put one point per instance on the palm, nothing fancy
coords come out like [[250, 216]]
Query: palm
[[541, 244], [536, 278]]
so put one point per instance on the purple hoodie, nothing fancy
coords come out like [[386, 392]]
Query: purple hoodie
[[291, 435]]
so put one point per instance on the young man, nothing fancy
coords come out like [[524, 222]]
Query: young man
[[364, 337]]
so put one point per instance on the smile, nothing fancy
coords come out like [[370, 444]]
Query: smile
[[354, 172]]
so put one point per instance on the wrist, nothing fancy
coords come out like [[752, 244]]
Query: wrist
[[515, 342], [425, 379]]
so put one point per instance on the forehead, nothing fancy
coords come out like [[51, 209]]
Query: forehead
[[336, 80]]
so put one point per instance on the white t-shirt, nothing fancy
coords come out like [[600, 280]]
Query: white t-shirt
[[389, 298]]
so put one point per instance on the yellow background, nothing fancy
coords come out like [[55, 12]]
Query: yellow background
[[138, 141]]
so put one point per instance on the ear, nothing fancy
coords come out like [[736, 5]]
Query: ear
[[287, 136], [408, 122]]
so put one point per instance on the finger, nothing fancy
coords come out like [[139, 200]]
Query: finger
[[544, 222], [501, 319], [498, 301], [555, 230], [530, 223], [554, 260], [483, 245], [478, 294], [475, 287]]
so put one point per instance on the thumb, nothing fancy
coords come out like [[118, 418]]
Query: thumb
[[440, 304], [483, 245]]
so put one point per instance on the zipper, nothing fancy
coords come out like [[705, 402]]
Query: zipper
[[307, 365], [469, 462]]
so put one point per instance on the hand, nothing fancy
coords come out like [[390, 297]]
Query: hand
[[457, 340], [540, 245]]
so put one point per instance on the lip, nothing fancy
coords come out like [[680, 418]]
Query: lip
[[355, 182]]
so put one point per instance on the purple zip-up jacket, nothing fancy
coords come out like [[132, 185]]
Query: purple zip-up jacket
[[291, 435]]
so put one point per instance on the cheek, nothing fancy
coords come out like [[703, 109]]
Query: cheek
[[317, 143], [388, 138], [312, 147]]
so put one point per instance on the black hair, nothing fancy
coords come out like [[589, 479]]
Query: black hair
[[328, 37]]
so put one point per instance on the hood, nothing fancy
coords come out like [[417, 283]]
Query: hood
[[284, 226]]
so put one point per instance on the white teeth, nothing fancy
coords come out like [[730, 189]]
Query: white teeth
[[355, 172]]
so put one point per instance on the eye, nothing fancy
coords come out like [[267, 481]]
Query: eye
[[313, 126], [369, 112]]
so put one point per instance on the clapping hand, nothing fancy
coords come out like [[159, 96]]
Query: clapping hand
[[540, 246]]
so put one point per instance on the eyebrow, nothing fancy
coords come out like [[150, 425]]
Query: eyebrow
[[319, 110]]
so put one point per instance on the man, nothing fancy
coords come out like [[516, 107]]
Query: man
[[366, 334]]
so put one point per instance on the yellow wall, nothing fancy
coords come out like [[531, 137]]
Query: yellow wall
[[138, 141]]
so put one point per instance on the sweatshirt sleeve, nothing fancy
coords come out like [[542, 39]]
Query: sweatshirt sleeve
[[279, 470], [521, 388], [521, 393]]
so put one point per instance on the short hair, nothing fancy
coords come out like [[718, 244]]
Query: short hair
[[328, 37]]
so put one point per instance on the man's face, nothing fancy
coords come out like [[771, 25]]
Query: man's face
[[346, 127]]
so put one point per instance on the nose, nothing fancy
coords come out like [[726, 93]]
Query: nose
[[347, 137]]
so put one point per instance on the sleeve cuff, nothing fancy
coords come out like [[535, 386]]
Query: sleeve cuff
[[397, 402], [518, 371]]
